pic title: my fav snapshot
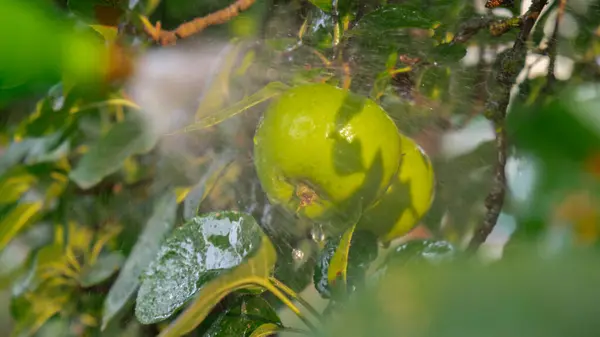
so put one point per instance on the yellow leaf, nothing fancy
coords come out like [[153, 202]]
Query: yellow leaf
[[15, 220]]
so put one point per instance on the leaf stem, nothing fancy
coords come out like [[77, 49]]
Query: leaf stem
[[281, 296], [291, 293]]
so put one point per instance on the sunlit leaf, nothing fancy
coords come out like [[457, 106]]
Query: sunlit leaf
[[104, 267], [15, 219], [144, 251], [107, 156], [269, 91]]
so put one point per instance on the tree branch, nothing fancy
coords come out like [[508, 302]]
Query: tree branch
[[552, 44], [169, 37], [510, 65]]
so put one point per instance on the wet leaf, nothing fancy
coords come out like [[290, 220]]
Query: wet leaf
[[194, 255], [244, 318], [14, 218], [105, 267], [252, 272], [107, 156], [419, 251], [269, 91], [144, 251], [343, 262]]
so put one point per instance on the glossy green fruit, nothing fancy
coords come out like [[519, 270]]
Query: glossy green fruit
[[407, 199], [326, 153]]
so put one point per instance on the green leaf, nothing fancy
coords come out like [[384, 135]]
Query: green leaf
[[448, 53], [342, 265], [218, 92], [142, 254], [193, 255], [97, 273], [565, 129], [48, 31], [324, 5], [199, 192], [248, 314], [269, 91], [14, 184], [34, 150], [44, 304], [419, 251], [392, 17], [106, 157], [15, 218], [40, 259], [252, 271]]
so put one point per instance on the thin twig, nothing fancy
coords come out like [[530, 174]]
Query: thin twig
[[510, 65], [169, 37]]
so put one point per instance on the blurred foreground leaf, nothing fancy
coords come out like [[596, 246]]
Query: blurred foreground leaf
[[76, 54], [538, 297]]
